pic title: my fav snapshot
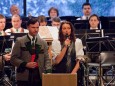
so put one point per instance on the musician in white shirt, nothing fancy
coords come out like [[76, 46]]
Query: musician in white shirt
[[6, 57], [56, 21], [2, 25], [86, 8], [94, 22], [16, 25]]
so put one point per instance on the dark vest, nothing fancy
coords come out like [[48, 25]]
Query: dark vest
[[61, 67]]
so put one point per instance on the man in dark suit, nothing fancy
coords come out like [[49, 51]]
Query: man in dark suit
[[30, 56]]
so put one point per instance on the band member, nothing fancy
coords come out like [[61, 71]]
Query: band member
[[16, 25]]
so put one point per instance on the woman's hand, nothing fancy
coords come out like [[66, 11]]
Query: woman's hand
[[67, 42], [76, 68]]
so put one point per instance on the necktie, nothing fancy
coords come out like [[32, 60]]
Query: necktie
[[33, 42], [16, 30], [0, 33], [87, 18], [33, 50], [33, 56]]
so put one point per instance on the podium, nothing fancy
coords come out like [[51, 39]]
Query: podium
[[59, 79]]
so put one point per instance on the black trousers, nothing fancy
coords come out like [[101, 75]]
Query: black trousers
[[33, 80], [80, 76], [26, 83]]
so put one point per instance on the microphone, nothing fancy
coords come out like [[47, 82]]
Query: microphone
[[66, 36]]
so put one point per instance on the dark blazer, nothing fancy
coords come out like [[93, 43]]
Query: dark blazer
[[20, 54]]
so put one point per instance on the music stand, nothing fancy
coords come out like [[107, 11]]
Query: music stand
[[6, 45], [16, 35], [84, 34], [110, 33], [98, 45], [81, 24]]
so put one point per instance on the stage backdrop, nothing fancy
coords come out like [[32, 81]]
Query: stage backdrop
[[5, 6], [65, 7]]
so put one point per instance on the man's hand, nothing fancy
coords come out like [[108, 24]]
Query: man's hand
[[31, 64], [7, 57]]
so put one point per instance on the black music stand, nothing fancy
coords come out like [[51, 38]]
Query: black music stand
[[109, 32], [81, 24], [84, 34], [5, 47], [16, 35], [98, 45]]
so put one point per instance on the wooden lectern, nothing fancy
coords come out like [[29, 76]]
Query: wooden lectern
[[59, 79]]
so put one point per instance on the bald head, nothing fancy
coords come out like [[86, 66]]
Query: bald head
[[16, 21], [14, 10]]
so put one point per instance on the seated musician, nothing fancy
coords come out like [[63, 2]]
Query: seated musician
[[42, 20], [6, 57], [94, 22], [16, 28], [16, 25], [2, 33]]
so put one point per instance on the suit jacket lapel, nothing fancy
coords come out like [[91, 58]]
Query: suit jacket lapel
[[38, 44], [28, 43], [38, 40]]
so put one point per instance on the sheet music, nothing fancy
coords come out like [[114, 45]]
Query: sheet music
[[44, 32], [54, 31], [48, 32]]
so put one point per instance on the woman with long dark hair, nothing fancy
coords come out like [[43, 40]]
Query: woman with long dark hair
[[67, 50]]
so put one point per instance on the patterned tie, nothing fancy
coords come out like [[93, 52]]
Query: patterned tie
[[33, 50]]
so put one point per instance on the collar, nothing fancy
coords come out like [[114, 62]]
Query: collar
[[19, 30], [2, 33], [31, 37], [84, 17], [93, 28]]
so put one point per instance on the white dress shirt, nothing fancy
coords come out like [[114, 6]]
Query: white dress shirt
[[16, 31], [93, 28], [31, 37], [2, 33], [83, 18], [56, 48]]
